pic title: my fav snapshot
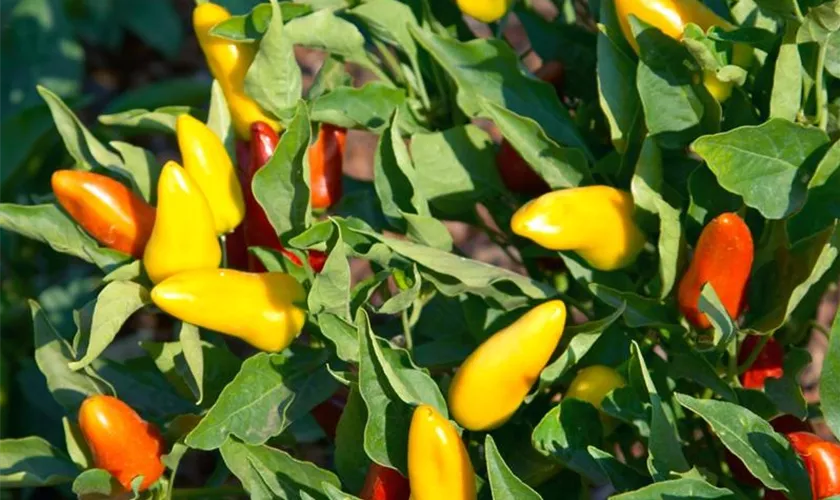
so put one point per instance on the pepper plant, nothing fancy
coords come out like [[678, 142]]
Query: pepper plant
[[666, 190]]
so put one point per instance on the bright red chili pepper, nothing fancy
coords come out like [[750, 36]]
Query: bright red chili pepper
[[783, 424], [824, 458], [258, 229], [236, 247], [768, 364], [383, 483], [326, 161], [106, 209]]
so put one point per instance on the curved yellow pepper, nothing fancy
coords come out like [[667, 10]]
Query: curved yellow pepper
[[594, 221], [495, 379], [229, 62], [258, 308], [486, 11], [592, 384], [184, 236], [208, 163], [671, 17], [438, 464]]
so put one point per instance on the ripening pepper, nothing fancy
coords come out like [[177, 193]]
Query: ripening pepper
[[106, 209], [120, 441], [328, 412], [592, 384], [236, 248], [184, 236], [258, 230], [326, 160], [229, 62], [486, 11], [206, 160], [822, 461], [723, 257], [594, 221], [259, 308], [671, 17], [768, 364], [384, 483], [494, 380], [438, 463]]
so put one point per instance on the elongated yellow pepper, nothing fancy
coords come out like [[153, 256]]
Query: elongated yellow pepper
[[671, 17], [206, 160], [258, 308], [594, 221], [495, 379], [184, 236], [592, 384], [229, 62], [438, 464], [486, 11]]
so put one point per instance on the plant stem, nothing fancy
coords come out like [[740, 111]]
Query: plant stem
[[822, 97], [409, 341], [390, 60], [217, 492]]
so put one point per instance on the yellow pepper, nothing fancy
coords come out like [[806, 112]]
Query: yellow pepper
[[206, 160], [258, 308], [229, 62], [594, 221], [671, 17], [495, 379], [592, 384], [438, 464], [184, 236], [486, 11]]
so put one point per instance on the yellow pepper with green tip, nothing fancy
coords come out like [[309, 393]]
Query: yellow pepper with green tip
[[671, 17], [486, 11], [184, 236], [494, 380], [594, 221], [229, 62], [208, 163], [592, 384], [438, 464], [259, 308]]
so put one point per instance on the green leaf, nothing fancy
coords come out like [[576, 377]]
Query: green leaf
[[96, 482], [503, 483], [48, 224], [677, 488], [272, 389], [325, 31], [271, 473], [766, 164], [75, 443], [830, 379], [648, 187], [560, 167], [115, 304], [725, 328], [33, 462], [767, 455], [156, 22], [274, 78], [407, 294], [786, 98], [665, 454], [369, 107], [583, 337], [488, 70], [392, 22], [708, 200], [622, 477], [395, 177], [822, 208], [391, 385], [351, 463], [282, 186], [251, 26], [342, 334], [190, 341], [330, 291], [219, 119], [640, 311], [455, 168], [565, 434], [143, 167], [52, 354], [158, 120], [165, 94], [687, 363]]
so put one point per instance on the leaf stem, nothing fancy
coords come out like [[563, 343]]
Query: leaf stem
[[215, 492], [406, 324], [822, 95]]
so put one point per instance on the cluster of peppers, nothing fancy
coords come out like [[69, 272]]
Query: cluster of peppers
[[182, 255]]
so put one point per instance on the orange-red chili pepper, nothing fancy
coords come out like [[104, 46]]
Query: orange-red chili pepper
[[384, 483], [326, 160], [768, 364], [723, 257], [120, 441], [106, 209]]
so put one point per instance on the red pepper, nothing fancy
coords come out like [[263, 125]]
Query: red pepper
[[328, 413], [236, 247], [822, 460], [768, 364], [383, 483], [326, 160], [516, 174], [794, 429], [258, 229], [106, 209]]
